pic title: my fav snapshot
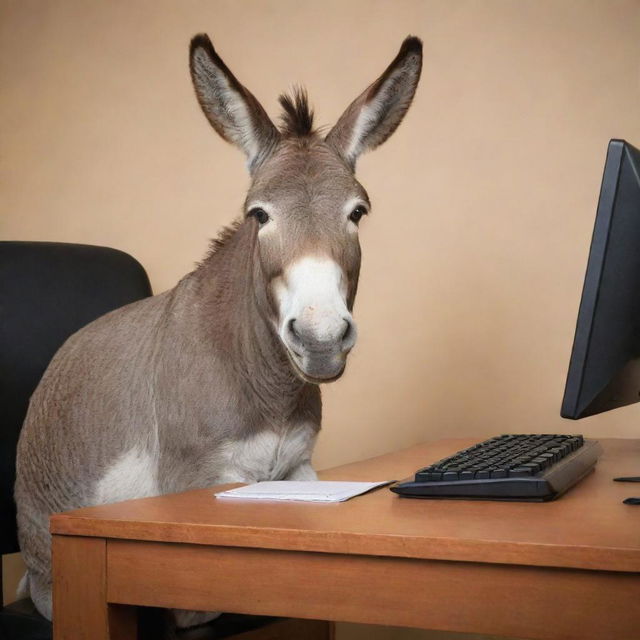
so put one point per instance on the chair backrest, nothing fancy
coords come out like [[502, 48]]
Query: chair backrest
[[48, 291]]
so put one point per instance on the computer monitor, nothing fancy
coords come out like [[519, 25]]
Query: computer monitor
[[604, 371]]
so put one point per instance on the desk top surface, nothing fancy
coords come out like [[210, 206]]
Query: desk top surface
[[587, 528]]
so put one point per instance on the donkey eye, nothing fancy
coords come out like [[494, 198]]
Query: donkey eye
[[357, 213], [260, 215]]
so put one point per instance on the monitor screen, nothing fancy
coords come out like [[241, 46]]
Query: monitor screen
[[604, 370]]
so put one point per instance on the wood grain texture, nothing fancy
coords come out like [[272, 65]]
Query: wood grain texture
[[527, 602], [588, 528], [80, 609]]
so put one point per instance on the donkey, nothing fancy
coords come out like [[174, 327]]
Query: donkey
[[216, 380]]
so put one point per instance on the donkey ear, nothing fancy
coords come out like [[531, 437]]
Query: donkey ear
[[230, 108], [374, 115]]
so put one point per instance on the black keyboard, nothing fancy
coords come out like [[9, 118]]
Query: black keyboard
[[508, 467]]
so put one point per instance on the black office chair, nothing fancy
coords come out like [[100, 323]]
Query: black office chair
[[48, 291]]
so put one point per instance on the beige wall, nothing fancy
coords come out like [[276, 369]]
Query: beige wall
[[483, 200]]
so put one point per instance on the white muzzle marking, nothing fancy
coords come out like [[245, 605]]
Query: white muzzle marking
[[315, 324]]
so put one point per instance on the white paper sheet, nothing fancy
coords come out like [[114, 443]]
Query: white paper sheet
[[306, 491]]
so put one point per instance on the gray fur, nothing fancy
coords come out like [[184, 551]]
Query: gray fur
[[195, 387]]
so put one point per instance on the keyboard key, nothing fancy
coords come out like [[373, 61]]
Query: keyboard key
[[520, 472]]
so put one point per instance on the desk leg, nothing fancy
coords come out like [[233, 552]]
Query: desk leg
[[80, 608]]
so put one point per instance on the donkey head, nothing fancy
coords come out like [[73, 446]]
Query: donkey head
[[304, 202]]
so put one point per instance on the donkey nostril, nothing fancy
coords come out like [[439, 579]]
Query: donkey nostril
[[347, 331], [294, 339], [292, 329]]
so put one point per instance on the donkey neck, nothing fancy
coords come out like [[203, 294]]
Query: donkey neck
[[234, 314]]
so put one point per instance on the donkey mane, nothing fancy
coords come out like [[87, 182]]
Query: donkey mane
[[297, 117], [221, 240]]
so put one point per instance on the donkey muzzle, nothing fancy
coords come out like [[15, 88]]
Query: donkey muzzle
[[319, 344]]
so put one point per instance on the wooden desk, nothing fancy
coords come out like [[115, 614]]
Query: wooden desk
[[568, 569]]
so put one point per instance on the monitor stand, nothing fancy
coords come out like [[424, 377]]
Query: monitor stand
[[629, 479]]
